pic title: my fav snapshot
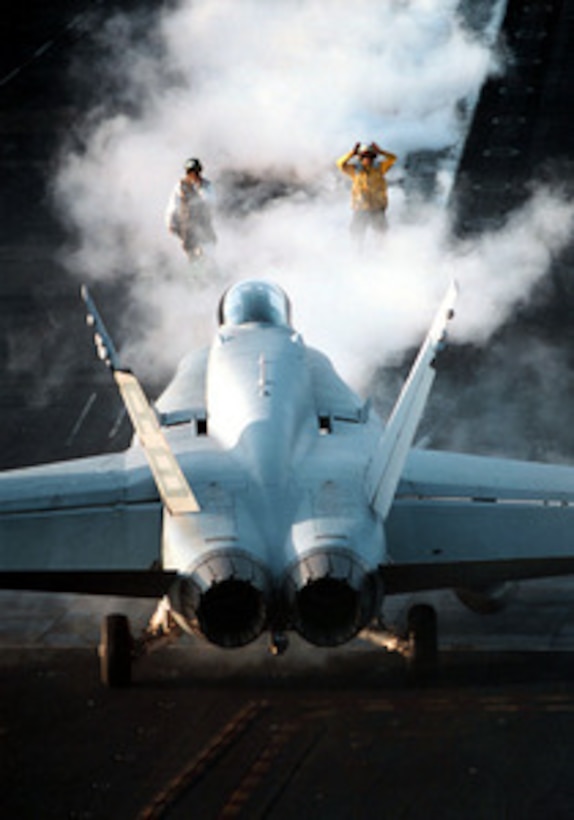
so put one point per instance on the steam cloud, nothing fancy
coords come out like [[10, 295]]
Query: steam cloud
[[278, 91]]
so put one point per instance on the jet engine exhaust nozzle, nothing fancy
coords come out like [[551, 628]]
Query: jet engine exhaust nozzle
[[226, 597], [330, 597]]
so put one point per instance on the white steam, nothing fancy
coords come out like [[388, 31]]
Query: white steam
[[499, 270], [280, 90]]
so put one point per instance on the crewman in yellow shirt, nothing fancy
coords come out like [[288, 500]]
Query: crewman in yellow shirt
[[369, 197]]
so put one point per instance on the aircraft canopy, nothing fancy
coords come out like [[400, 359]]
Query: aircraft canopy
[[259, 302]]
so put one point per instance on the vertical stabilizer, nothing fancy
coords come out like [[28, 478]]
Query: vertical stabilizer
[[173, 487], [387, 465]]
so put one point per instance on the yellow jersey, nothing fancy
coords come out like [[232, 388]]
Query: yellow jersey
[[369, 191]]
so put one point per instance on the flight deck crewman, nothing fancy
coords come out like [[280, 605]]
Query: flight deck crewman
[[188, 214], [369, 197]]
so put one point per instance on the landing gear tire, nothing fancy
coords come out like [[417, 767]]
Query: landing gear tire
[[422, 643], [116, 651]]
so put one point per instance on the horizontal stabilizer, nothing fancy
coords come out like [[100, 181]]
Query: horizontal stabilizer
[[409, 578], [129, 584], [388, 462]]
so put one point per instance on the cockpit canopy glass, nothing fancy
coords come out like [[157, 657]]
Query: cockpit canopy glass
[[259, 302]]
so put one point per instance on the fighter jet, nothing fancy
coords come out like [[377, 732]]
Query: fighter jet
[[262, 494]]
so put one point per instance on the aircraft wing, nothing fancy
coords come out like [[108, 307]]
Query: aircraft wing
[[95, 525], [469, 521], [91, 525]]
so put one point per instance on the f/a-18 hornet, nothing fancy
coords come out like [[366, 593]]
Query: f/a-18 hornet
[[262, 494]]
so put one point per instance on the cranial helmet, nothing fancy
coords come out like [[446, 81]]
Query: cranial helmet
[[367, 150], [193, 164]]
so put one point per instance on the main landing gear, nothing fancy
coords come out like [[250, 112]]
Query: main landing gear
[[418, 646], [118, 649], [422, 641]]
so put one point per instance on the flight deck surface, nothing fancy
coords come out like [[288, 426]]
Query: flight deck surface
[[492, 737]]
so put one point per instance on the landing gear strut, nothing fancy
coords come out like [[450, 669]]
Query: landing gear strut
[[419, 647]]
